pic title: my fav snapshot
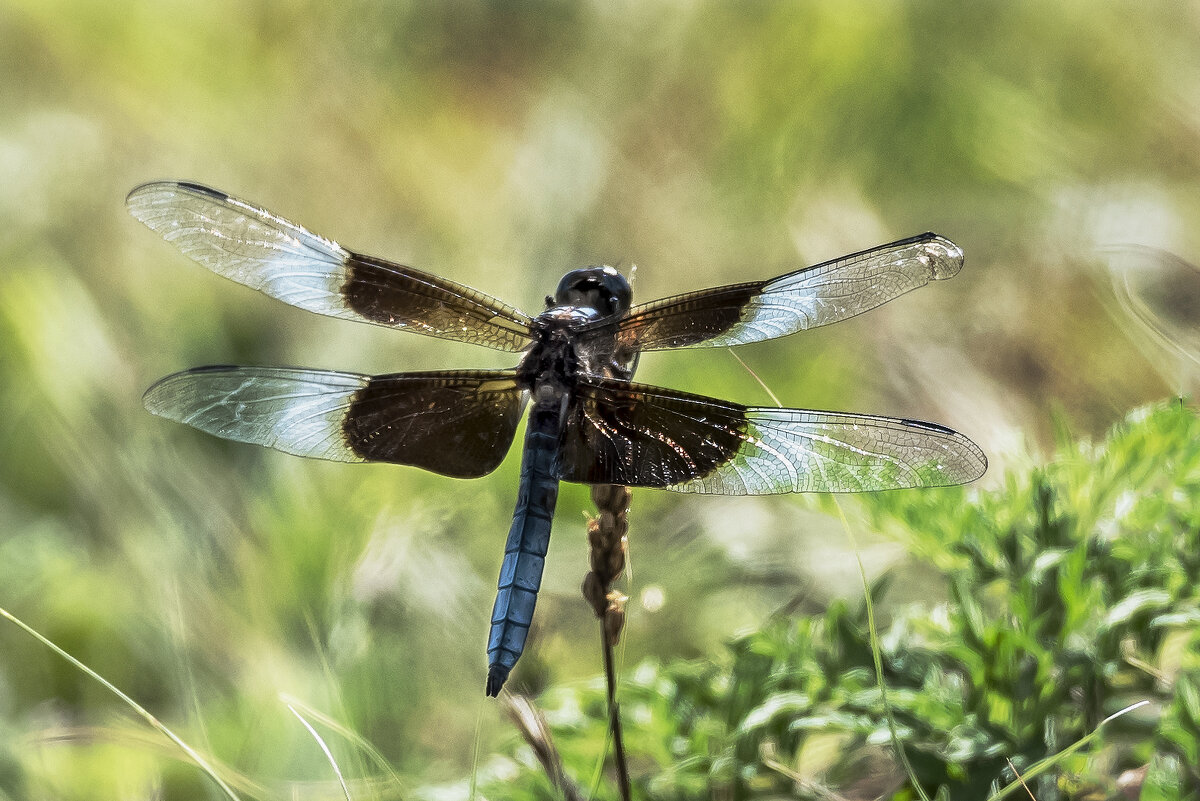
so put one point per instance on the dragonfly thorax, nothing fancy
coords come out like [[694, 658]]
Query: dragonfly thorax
[[553, 357]]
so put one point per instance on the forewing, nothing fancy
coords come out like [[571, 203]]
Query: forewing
[[456, 423], [645, 436], [815, 296], [284, 260]]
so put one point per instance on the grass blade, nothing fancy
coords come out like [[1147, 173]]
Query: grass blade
[[194, 755]]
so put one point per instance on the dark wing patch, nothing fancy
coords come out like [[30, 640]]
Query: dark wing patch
[[456, 423], [645, 436], [391, 294], [256, 248], [815, 296]]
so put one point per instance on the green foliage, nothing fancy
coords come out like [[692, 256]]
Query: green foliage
[[500, 144], [1071, 593]]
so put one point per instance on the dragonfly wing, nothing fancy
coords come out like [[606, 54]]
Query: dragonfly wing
[[254, 247], [458, 423], [644, 436], [815, 296]]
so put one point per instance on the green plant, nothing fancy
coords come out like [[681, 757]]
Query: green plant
[[1071, 592]]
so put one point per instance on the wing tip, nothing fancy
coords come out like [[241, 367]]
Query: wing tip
[[945, 257], [138, 198], [971, 456], [135, 196], [157, 396]]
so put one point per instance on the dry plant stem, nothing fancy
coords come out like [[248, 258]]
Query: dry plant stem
[[532, 725], [614, 719], [607, 542]]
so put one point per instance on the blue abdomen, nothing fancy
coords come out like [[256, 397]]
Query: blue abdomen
[[524, 554]]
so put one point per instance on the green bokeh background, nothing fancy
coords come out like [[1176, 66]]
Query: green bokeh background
[[500, 145]]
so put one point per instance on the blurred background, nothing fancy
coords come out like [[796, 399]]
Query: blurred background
[[499, 146]]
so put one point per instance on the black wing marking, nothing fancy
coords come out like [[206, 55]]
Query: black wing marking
[[815, 296], [644, 436], [458, 423], [254, 247]]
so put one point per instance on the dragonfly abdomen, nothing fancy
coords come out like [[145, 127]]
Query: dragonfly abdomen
[[524, 555]]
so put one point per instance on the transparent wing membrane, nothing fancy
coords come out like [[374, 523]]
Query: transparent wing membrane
[[457, 423], [826, 293], [286, 261], [645, 436]]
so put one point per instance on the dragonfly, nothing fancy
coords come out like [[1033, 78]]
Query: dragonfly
[[588, 421]]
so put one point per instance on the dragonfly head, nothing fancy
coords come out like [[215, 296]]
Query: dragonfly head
[[600, 288]]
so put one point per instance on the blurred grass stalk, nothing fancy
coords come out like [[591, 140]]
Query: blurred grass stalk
[[194, 755]]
